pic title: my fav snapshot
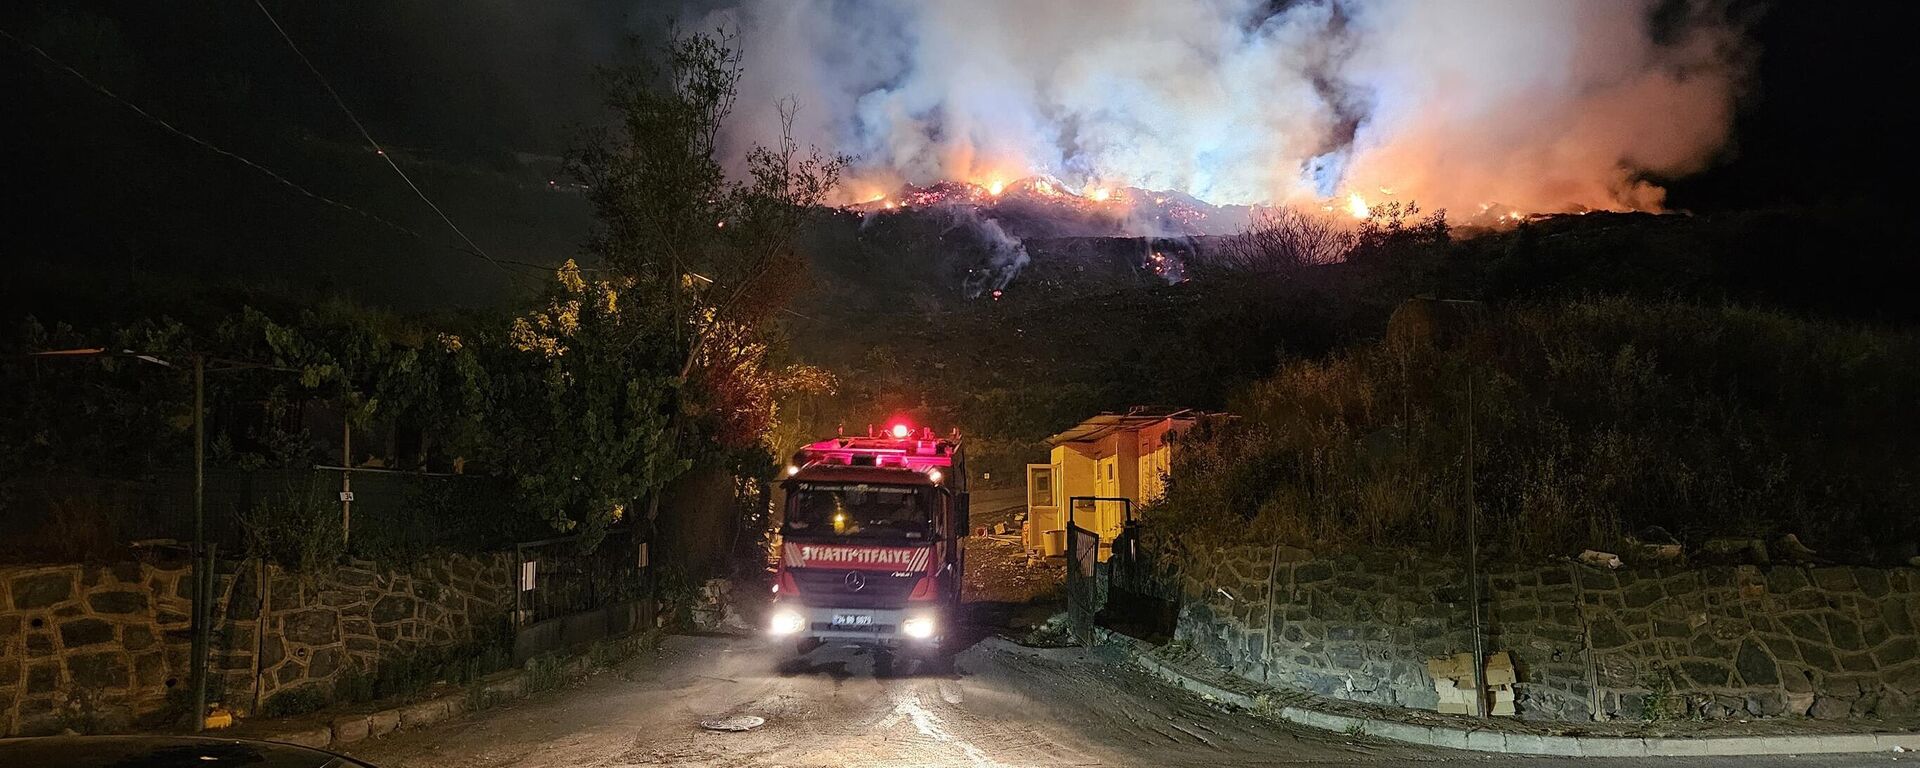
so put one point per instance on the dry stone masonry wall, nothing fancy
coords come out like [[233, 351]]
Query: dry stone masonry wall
[[105, 647], [90, 645], [1589, 643]]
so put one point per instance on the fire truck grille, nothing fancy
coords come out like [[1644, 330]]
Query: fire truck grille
[[829, 587]]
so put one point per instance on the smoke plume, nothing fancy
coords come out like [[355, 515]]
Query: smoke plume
[[1541, 105]]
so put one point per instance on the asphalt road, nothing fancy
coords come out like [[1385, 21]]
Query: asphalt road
[[997, 704]]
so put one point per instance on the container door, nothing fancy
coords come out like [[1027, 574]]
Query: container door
[[1043, 508]]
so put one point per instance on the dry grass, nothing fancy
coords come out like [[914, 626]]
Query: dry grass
[[1591, 420]]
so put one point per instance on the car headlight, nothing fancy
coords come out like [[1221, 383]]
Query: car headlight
[[918, 627], [786, 622]]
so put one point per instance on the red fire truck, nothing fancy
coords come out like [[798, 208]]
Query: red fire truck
[[870, 550]]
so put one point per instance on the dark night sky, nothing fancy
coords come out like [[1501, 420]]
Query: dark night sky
[[1828, 115], [472, 77], [461, 85]]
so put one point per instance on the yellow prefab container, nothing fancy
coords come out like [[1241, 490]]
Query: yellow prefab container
[[1110, 463]]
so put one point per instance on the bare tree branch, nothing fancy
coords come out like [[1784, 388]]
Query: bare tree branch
[[1284, 241]]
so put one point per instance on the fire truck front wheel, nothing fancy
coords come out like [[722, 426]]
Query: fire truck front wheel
[[805, 645]]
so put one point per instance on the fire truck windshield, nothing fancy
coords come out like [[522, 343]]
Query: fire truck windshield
[[860, 510]]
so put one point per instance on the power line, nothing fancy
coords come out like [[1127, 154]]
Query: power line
[[377, 149], [268, 172], [170, 128]]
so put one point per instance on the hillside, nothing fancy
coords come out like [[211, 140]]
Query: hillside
[[1083, 328]]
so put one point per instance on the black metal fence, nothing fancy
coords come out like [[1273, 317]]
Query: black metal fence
[[66, 518], [1112, 580], [555, 577], [1139, 601]]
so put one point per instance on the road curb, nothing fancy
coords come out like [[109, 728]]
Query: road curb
[[1487, 740]]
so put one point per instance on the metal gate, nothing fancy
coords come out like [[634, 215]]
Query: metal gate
[[1086, 573], [1083, 583]]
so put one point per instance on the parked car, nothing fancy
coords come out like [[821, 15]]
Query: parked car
[[163, 752]]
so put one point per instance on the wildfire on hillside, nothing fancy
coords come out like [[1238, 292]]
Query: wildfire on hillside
[[1548, 107], [1135, 211], [1111, 219]]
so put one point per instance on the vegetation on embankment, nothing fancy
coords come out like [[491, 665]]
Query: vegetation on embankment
[[656, 365], [548, 421], [1591, 419], [887, 309]]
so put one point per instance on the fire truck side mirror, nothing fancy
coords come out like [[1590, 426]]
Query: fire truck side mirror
[[961, 519]]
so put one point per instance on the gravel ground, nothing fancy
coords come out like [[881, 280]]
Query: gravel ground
[[997, 568], [995, 704]]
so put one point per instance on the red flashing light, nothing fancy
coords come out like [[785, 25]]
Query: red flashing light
[[900, 431]]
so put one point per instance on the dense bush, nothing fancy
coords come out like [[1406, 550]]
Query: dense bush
[[297, 529], [459, 514], [1592, 420]]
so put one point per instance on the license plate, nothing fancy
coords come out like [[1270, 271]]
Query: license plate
[[852, 619]]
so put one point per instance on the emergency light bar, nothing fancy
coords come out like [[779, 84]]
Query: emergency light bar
[[917, 454]]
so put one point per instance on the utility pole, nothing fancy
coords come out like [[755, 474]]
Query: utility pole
[[346, 476], [1473, 570], [202, 564]]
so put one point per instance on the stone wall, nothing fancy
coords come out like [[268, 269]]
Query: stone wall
[[91, 646], [1589, 643], [101, 648]]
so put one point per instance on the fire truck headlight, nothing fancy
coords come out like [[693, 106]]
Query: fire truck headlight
[[917, 627], [786, 622]]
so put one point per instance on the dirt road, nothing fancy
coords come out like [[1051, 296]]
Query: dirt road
[[998, 704]]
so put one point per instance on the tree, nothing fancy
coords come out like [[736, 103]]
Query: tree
[[1284, 241], [1397, 230], [581, 395], [709, 250], [712, 258], [97, 416]]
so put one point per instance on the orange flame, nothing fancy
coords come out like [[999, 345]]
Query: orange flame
[[1357, 206]]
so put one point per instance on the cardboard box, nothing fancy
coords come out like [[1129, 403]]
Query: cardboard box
[[1456, 666], [1457, 696], [1453, 683]]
